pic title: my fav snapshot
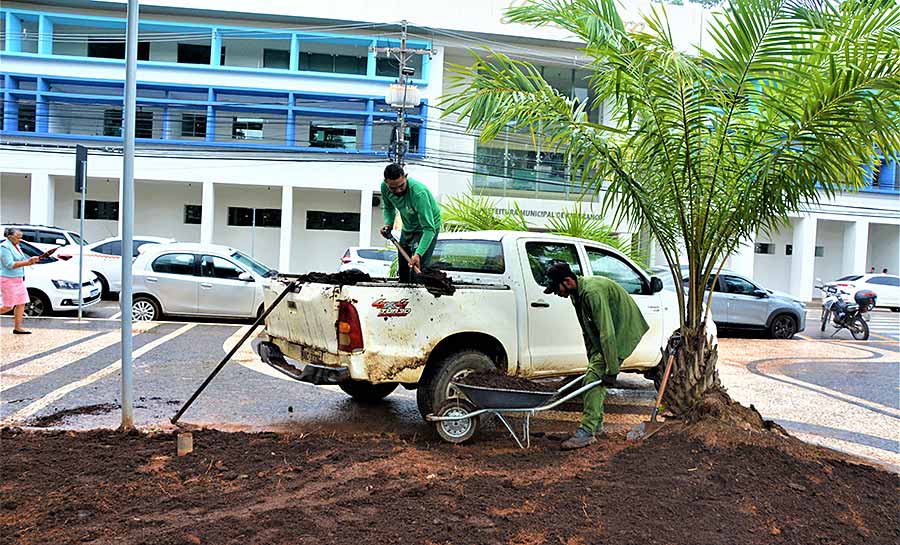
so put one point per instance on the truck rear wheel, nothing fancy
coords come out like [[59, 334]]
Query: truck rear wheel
[[434, 386], [366, 392]]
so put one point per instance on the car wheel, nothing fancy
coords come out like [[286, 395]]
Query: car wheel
[[37, 305], [435, 385], [456, 431], [783, 326], [366, 392], [104, 286], [144, 309]]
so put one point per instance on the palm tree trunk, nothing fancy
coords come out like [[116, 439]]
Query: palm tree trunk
[[693, 373]]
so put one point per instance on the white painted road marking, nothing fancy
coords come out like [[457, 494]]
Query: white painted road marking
[[115, 367], [37, 368]]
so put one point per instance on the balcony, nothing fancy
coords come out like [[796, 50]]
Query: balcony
[[91, 110]]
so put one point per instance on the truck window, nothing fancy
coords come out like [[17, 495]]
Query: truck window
[[543, 254], [482, 256], [610, 266]]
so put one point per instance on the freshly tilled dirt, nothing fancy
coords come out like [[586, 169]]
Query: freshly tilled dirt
[[685, 485], [490, 379]]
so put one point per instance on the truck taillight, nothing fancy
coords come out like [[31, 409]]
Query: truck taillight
[[348, 331]]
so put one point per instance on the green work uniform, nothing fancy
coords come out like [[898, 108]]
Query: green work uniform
[[421, 217], [612, 325]]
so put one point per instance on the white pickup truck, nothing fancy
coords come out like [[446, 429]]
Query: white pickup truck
[[372, 336]]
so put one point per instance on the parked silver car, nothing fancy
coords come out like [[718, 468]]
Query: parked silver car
[[740, 303], [197, 280]]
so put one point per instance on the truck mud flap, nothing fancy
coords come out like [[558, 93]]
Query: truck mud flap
[[310, 373]]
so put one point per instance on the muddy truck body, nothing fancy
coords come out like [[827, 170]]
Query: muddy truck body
[[371, 337]]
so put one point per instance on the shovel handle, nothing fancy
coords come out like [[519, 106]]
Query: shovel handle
[[390, 236], [662, 387]]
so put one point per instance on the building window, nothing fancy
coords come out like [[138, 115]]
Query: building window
[[193, 125], [276, 58], [193, 214], [340, 64], [788, 249], [244, 217], [332, 221], [197, 54], [112, 123], [116, 50], [820, 251], [332, 136], [244, 128], [27, 117], [98, 210], [764, 248]]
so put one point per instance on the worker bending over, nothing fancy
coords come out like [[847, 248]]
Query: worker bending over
[[612, 326]]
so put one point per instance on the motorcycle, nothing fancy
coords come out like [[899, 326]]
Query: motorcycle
[[847, 315]]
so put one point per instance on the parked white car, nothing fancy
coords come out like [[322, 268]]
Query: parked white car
[[104, 257], [45, 237], [186, 279], [885, 286], [374, 261], [53, 284]]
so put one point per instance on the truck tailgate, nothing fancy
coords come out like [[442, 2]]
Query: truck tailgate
[[306, 318]]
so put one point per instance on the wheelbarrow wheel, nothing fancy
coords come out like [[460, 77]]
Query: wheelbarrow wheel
[[457, 431]]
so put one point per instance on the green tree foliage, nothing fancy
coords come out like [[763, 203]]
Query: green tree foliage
[[789, 105]]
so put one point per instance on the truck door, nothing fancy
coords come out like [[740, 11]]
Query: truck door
[[604, 263], [554, 336]]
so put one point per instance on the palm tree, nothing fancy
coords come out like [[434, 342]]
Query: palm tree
[[706, 147]]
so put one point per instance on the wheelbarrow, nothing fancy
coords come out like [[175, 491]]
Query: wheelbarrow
[[458, 419]]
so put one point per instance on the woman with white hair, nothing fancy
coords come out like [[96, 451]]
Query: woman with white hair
[[12, 277]]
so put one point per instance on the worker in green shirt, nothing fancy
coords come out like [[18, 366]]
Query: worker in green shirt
[[420, 214], [612, 326]]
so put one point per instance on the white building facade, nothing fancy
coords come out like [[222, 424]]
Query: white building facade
[[264, 126]]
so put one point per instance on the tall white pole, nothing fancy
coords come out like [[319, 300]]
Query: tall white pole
[[128, 214]]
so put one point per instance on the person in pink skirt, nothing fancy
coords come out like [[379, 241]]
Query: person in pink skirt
[[12, 277]]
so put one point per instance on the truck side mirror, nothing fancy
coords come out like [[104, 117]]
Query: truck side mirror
[[656, 284]]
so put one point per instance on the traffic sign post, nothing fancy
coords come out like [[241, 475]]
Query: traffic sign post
[[81, 187]]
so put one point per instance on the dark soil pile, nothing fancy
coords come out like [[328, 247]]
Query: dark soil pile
[[675, 488], [435, 281], [343, 278], [490, 379]]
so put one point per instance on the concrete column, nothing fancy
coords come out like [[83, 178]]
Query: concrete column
[[207, 212], [43, 194], [287, 228], [295, 52], [803, 260], [856, 245], [215, 50], [13, 33], [743, 257], [45, 35], [365, 217]]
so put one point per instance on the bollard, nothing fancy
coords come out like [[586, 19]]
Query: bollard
[[185, 443]]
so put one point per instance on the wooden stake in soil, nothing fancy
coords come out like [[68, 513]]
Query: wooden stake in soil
[[185, 443]]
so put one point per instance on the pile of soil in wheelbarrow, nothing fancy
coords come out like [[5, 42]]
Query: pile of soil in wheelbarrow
[[675, 488], [500, 381]]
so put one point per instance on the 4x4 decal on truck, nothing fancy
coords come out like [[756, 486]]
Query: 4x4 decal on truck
[[392, 309]]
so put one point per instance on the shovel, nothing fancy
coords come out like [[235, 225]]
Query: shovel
[[647, 428], [390, 236]]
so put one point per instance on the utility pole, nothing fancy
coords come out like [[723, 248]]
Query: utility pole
[[131, 37], [398, 95]]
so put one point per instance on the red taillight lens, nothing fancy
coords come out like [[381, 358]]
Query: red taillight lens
[[348, 331], [64, 257], [345, 259], [842, 284]]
